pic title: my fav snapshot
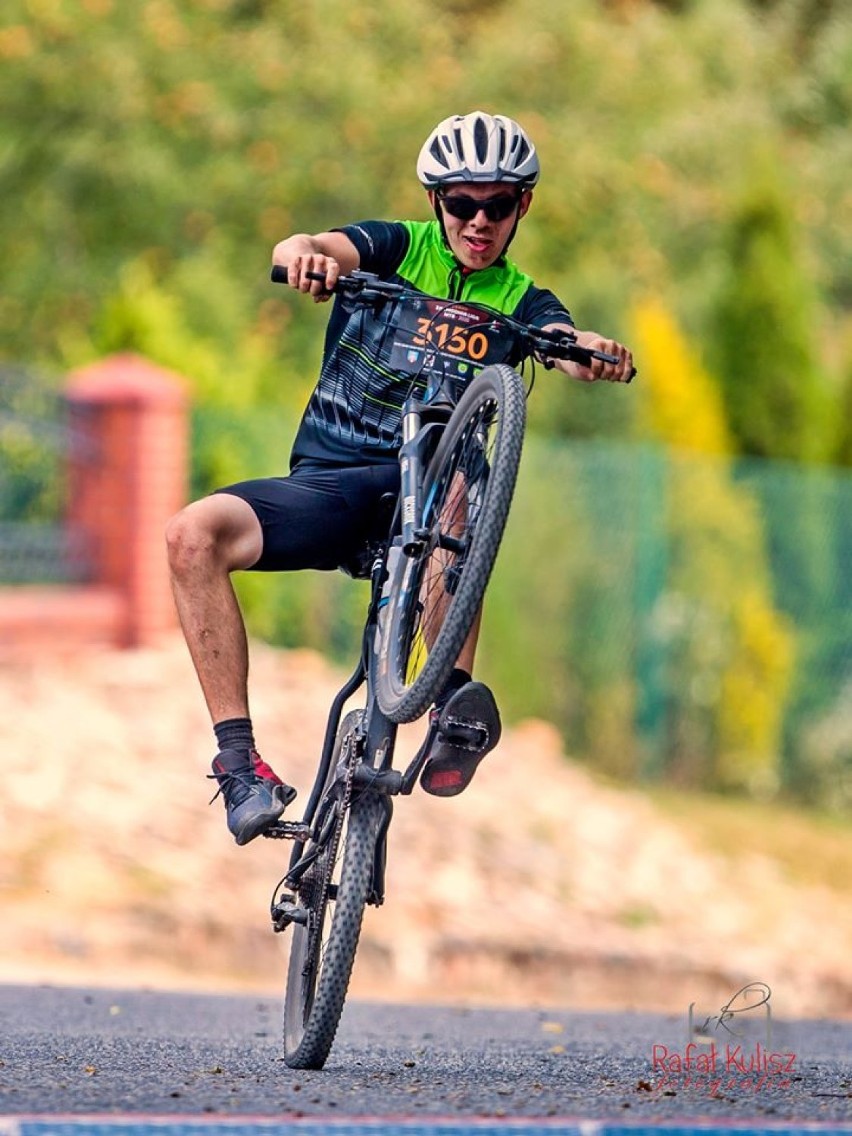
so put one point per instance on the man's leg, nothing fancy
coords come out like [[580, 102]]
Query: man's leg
[[318, 517], [207, 541]]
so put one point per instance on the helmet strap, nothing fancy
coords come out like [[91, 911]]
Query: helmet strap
[[439, 213], [511, 236]]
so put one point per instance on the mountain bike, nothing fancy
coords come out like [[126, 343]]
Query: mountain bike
[[462, 433]]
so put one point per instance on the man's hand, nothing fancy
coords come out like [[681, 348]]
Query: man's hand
[[620, 372], [326, 254], [319, 263]]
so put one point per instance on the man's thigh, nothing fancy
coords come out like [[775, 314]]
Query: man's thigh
[[319, 516]]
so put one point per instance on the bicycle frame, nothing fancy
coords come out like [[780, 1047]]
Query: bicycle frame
[[422, 420]]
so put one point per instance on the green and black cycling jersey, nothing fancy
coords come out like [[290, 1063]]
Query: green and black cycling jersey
[[353, 416]]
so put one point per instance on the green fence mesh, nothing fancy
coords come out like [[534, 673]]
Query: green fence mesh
[[681, 616]]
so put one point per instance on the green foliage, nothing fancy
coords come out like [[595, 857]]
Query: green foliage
[[189, 135], [31, 447], [765, 348], [843, 440]]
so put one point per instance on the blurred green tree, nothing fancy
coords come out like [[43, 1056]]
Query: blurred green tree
[[765, 346]]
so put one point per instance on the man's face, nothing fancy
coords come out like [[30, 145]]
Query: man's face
[[478, 241]]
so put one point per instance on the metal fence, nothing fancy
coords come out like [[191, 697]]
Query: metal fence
[[681, 617], [36, 545]]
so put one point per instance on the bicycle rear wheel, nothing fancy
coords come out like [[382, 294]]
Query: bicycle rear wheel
[[437, 592], [334, 891]]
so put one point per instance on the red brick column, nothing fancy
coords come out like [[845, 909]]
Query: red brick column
[[127, 476]]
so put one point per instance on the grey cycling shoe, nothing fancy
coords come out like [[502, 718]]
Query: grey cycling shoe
[[254, 796], [468, 728]]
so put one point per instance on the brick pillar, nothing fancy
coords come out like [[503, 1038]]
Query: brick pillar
[[127, 476]]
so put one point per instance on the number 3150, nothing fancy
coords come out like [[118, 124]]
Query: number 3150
[[455, 339]]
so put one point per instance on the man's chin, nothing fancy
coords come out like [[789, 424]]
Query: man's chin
[[475, 260]]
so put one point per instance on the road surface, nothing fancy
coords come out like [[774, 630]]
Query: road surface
[[71, 1051]]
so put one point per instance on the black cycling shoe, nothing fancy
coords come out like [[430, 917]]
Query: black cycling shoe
[[468, 729], [254, 796]]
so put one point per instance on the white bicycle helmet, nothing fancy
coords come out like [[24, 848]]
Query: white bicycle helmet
[[478, 147]]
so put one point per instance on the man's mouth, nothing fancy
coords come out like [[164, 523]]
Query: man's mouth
[[476, 244]]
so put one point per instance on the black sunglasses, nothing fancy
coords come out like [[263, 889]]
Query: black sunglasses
[[465, 208]]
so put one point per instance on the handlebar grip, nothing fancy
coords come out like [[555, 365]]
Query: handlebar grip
[[584, 356], [279, 274]]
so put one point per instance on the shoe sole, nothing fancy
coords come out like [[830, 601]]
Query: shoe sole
[[451, 770]]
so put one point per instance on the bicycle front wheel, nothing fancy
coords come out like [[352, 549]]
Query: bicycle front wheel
[[437, 593], [334, 892]]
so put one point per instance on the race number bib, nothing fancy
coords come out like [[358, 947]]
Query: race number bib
[[455, 339]]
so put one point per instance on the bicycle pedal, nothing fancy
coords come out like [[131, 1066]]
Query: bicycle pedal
[[288, 911], [288, 830]]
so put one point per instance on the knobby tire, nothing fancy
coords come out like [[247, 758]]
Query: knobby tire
[[493, 407], [320, 966]]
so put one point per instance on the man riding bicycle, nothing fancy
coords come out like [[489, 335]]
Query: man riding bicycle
[[479, 172]]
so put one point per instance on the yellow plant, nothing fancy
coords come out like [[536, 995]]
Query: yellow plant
[[681, 404], [752, 695]]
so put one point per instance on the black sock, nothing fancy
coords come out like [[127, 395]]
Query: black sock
[[455, 682], [235, 734]]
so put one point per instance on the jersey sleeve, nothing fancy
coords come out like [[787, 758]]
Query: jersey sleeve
[[540, 308], [381, 245]]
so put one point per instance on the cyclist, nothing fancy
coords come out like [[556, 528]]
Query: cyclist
[[479, 172]]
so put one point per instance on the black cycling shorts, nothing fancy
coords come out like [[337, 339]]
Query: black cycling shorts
[[320, 516]]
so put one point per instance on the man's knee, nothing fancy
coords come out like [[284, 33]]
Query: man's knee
[[190, 537], [220, 530]]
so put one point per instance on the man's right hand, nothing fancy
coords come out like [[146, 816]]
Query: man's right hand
[[326, 254]]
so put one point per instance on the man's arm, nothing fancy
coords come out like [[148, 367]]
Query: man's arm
[[619, 372], [332, 254]]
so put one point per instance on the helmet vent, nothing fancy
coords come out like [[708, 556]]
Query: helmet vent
[[438, 154], [480, 140], [522, 148]]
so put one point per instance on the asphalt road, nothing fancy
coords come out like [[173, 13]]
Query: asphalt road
[[78, 1051]]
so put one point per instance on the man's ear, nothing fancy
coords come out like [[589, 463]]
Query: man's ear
[[526, 201], [430, 193]]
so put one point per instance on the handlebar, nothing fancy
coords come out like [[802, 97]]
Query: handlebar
[[370, 290]]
